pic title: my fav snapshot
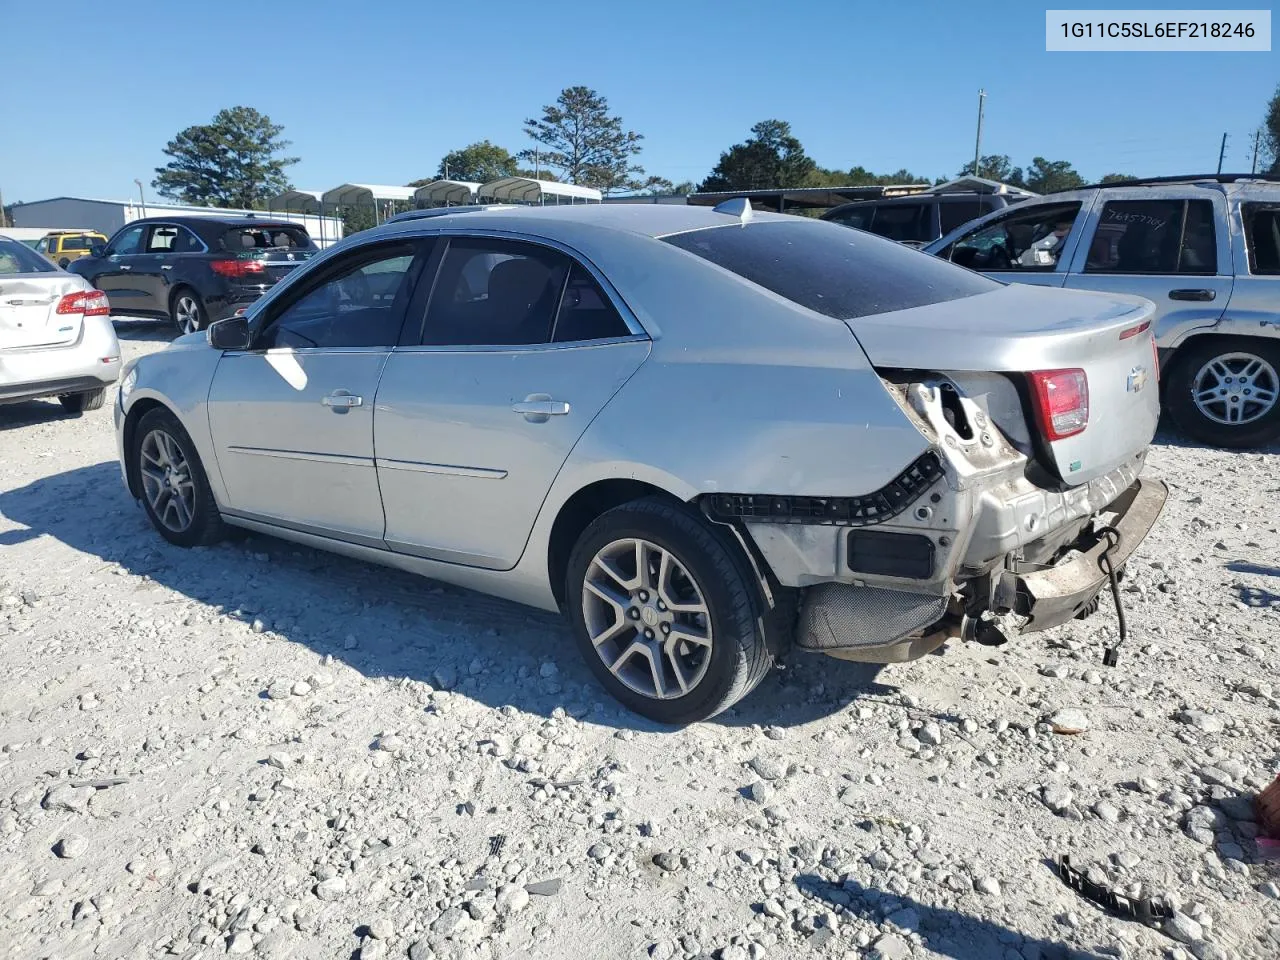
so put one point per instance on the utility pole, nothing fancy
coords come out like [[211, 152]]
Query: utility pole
[[140, 196], [1257, 136], [537, 164], [1222, 152], [4, 219], [977, 147]]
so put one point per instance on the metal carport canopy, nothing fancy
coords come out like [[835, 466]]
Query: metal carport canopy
[[353, 194], [446, 191], [303, 201], [529, 190]]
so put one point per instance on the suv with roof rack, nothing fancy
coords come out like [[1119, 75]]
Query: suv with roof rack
[[1204, 249], [919, 218]]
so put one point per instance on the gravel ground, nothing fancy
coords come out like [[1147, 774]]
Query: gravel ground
[[259, 749]]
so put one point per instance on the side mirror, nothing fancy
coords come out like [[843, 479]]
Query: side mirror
[[230, 334], [97, 249]]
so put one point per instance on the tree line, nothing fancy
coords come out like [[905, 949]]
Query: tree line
[[240, 158]]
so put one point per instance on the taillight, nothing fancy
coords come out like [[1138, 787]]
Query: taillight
[[1155, 359], [237, 269], [1134, 331], [93, 303], [1061, 401]]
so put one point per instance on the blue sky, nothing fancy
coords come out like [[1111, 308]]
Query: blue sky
[[376, 92]]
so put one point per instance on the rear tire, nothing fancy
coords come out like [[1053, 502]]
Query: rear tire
[[187, 312], [81, 402], [64, 263], [175, 488], [700, 629], [1210, 383]]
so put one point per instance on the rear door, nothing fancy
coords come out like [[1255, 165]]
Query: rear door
[[518, 351], [292, 419], [114, 273], [1025, 244], [1171, 248]]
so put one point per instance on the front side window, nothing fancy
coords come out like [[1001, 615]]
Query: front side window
[[357, 302], [832, 271], [127, 242], [1028, 238], [1154, 236], [1262, 237], [494, 293]]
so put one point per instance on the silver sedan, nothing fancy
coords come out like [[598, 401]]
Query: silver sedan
[[703, 434]]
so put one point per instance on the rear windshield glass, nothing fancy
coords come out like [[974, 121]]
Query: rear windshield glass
[[833, 270], [19, 258], [272, 237]]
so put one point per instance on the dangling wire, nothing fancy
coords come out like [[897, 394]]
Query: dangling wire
[[1112, 654]]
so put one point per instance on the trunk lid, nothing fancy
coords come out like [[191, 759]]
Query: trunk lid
[[28, 310], [1020, 328]]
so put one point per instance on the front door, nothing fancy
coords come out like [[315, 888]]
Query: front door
[[520, 349], [1170, 249], [113, 274], [1026, 244], [292, 418]]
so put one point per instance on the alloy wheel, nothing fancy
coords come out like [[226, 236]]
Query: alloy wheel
[[647, 618], [187, 313], [1235, 388], [166, 480]]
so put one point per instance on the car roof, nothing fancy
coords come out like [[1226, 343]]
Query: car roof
[[558, 222], [224, 222]]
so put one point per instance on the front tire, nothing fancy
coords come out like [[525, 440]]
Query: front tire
[[1226, 392], [187, 312], [64, 263], [81, 402], [665, 614], [175, 489]]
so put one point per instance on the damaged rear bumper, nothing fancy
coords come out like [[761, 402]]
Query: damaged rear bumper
[[1050, 597]]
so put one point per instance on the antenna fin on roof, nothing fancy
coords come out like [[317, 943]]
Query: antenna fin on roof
[[739, 207]]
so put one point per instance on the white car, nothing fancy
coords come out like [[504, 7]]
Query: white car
[[56, 337]]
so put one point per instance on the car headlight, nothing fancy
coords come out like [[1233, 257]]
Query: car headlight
[[128, 383]]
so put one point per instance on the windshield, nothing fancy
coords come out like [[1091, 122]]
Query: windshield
[[18, 258], [267, 237], [832, 270]]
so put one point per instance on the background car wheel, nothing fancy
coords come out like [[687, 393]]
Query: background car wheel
[[175, 489], [1226, 392], [80, 402], [64, 263], [187, 311], [664, 612]]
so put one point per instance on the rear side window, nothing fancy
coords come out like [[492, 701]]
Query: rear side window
[[75, 242], [904, 222], [857, 217], [585, 312], [1154, 236], [271, 237], [956, 213], [494, 293], [831, 270], [1262, 237]]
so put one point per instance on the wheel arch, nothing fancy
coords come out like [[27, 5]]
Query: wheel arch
[[140, 408]]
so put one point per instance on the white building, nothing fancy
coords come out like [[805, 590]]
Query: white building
[[108, 216]]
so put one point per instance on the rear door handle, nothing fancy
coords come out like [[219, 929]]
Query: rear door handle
[[166, 266], [340, 401], [126, 266], [1201, 295], [539, 408]]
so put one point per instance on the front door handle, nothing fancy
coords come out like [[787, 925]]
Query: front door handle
[[539, 408], [340, 401], [1204, 296], [166, 266], [125, 266]]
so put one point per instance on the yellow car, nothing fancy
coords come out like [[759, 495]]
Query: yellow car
[[63, 246]]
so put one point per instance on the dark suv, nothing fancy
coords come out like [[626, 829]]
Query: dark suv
[[193, 270], [920, 218]]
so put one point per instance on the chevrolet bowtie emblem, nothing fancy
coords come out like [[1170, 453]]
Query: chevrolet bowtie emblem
[[1137, 379]]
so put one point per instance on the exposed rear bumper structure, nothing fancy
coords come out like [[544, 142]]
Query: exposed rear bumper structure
[[1051, 597]]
